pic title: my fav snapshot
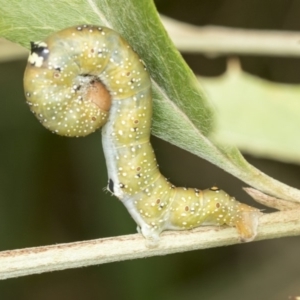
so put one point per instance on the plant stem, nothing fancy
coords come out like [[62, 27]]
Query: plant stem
[[217, 40], [28, 261]]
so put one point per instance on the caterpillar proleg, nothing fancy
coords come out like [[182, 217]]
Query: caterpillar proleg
[[85, 77]]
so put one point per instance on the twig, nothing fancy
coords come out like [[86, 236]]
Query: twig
[[215, 40], [212, 40], [28, 261]]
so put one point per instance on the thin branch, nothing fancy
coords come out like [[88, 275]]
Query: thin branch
[[28, 261], [211, 40], [215, 40]]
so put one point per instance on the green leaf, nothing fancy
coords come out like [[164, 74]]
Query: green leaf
[[261, 117], [182, 115]]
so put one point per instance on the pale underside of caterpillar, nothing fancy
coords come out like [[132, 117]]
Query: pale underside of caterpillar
[[85, 77]]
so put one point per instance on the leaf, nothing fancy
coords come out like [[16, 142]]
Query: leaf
[[260, 117], [182, 115]]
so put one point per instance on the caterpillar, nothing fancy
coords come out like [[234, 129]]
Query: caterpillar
[[85, 77]]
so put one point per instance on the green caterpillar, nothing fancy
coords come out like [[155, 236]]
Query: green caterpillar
[[85, 77]]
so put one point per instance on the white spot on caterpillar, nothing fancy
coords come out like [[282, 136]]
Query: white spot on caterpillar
[[36, 60]]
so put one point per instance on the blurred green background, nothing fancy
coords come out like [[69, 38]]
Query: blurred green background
[[51, 189]]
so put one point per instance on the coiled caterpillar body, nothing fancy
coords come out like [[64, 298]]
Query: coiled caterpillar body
[[85, 77]]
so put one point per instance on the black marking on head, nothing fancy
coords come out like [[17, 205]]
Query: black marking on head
[[40, 49], [122, 186], [110, 186]]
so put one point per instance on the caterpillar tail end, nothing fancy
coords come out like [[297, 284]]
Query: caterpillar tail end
[[248, 222]]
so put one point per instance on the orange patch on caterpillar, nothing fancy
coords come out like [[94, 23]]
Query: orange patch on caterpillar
[[98, 94], [247, 224]]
